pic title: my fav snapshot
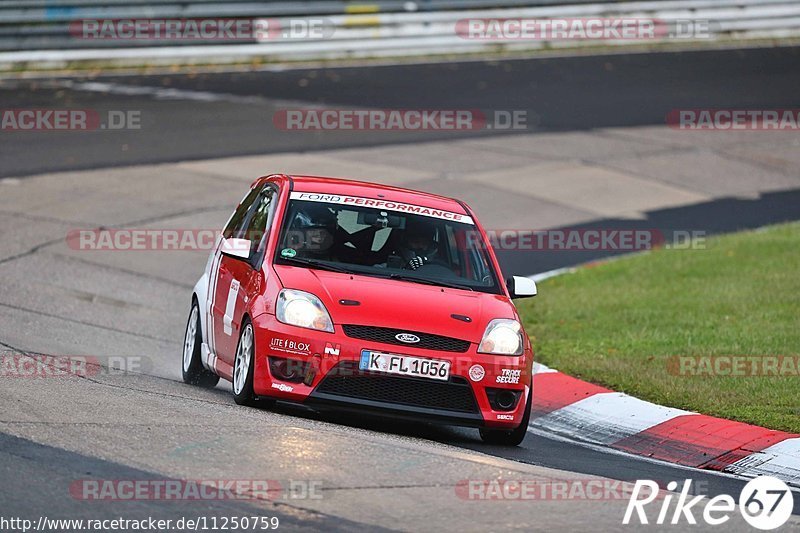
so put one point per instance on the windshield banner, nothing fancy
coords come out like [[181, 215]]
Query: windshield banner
[[381, 204]]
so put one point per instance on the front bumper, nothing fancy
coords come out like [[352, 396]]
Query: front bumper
[[332, 379]]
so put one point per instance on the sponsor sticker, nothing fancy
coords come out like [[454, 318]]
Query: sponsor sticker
[[332, 349], [382, 204], [278, 344], [476, 373], [282, 387], [505, 417], [509, 375]]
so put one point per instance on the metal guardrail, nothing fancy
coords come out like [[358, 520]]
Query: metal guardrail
[[47, 11], [39, 24], [387, 28]]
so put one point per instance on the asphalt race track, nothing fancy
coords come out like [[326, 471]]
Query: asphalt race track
[[370, 474], [558, 94]]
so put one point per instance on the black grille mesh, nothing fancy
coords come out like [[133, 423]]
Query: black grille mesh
[[347, 380], [427, 341]]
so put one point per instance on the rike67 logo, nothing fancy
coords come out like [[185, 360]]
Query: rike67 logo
[[765, 503]]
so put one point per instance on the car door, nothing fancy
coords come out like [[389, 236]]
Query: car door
[[221, 277], [240, 277]]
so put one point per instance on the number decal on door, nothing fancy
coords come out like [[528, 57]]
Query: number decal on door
[[230, 307]]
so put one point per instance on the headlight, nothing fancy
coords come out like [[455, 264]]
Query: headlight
[[502, 337], [303, 309]]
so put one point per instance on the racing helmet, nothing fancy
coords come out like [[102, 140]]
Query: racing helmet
[[312, 229], [419, 237]]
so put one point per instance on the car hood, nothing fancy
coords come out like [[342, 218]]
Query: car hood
[[399, 304]]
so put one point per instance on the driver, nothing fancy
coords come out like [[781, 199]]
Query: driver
[[418, 244], [312, 231]]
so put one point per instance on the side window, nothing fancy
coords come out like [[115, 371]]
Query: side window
[[259, 222], [235, 226], [256, 221]]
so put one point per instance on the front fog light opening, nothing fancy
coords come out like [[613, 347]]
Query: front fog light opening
[[503, 399], [291, 370]]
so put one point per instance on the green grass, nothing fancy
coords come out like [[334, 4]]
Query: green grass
[[618, 324]]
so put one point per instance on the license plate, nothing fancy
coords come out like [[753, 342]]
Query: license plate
[[404, 365]]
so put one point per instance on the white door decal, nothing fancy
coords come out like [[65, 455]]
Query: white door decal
[[230, 307]]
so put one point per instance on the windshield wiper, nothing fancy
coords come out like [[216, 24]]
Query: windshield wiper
[[425, 281], [299, 261]]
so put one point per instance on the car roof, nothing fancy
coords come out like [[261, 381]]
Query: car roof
[[365, 189]]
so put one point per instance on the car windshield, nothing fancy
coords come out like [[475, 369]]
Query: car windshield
[[439, 247]]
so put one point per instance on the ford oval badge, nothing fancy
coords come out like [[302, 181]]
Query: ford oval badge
[[407, 338]]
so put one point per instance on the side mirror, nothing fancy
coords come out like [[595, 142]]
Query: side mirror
[[521, 287], [238, 248]]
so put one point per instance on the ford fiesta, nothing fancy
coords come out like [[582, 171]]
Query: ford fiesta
[[354, 296]]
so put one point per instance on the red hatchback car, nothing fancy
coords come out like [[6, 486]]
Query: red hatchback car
[[357, 296]]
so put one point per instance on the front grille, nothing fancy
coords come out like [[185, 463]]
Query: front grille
[[347, 380], [427, 341]]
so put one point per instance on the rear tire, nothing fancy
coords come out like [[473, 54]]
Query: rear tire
[[193, 371], [512, 437]]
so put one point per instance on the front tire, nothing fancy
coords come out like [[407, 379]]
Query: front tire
[[512, 437], [243, 366], [193, 371]]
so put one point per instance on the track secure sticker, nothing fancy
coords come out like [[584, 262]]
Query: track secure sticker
[[476, 373], [288, 252], [509, 375]]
